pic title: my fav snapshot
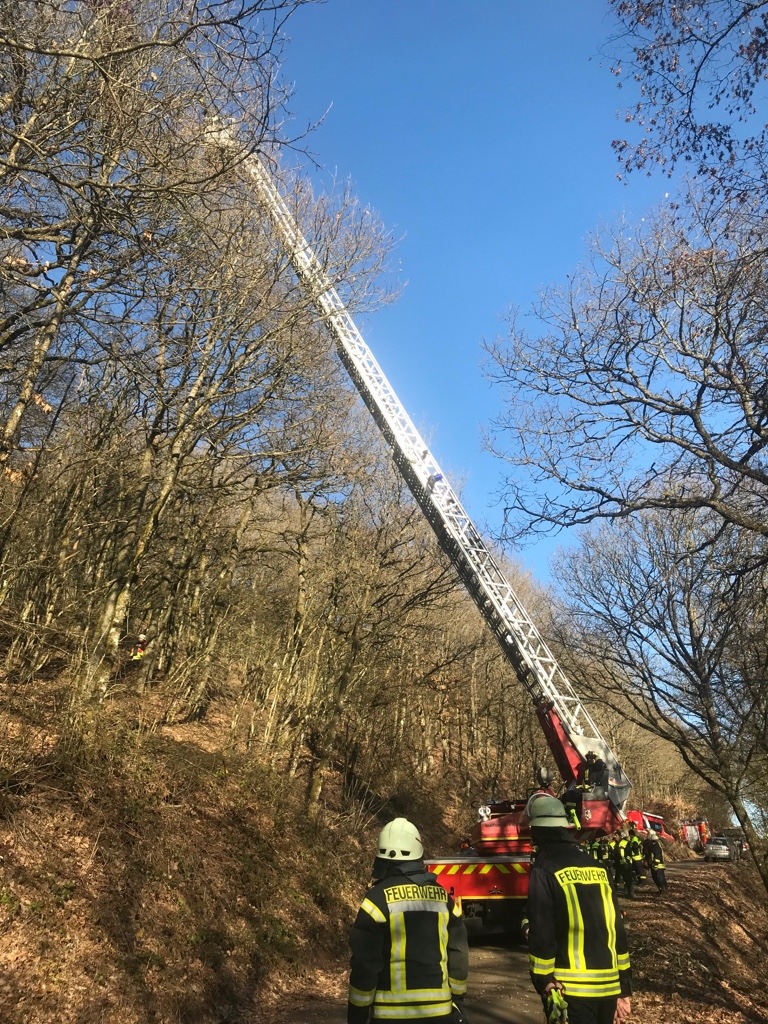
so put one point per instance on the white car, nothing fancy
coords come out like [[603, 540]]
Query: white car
[[721, 848]]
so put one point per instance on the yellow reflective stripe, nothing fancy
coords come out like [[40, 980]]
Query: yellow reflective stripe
[[412, 1012], [373, 911], [599, 974], [539, 966], [401, 906], [413, 995], [442, 932], [623, 960], [359, 997], [575, 928], [458, 988], [595, 991], [610, 919], [397, 940], [483, 869], [457, 909]]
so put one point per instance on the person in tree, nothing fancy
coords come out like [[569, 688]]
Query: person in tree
[[139, 649], [409, 946]]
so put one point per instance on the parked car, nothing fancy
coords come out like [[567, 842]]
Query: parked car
[[721, 848]]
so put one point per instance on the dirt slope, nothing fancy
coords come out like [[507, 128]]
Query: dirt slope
[[699, 952]]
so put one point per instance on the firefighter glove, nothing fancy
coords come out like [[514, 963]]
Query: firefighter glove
[[556, 1007], [458, 1013]]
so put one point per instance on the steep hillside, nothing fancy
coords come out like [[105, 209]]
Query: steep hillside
[[146, 877], [699, 952]]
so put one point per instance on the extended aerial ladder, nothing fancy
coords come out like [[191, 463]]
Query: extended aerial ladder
[[569, 729]]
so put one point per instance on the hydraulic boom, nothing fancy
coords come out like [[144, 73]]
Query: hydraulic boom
[[569, 729]]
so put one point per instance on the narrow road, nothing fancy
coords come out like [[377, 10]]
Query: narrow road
[[500, 987], [500, 991]]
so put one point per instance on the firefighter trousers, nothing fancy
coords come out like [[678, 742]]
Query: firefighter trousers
[[591, 1011], [627, 876], [659, 875]]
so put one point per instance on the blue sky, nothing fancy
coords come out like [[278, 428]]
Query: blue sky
[[480, 133]]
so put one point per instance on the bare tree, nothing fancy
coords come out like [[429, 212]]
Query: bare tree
[[663, 612], [372, 589], [699, 66], [101, 114], [646, 385], [143, 284]]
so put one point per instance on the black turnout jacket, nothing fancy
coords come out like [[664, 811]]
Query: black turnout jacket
[[409, 951], [576, 933]]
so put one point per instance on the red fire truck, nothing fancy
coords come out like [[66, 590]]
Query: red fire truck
[[645, 821], [490, 876]]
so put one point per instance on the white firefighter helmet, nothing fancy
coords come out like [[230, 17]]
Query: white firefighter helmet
[[545, 811], [399, 840]]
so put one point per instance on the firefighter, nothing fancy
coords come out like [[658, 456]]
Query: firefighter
[[576, 940], [593, 772], [606, 859], [635, 853], [623, 865], [409, 941], [138, 652], [654, 859], [592, 777], [599, 849]]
